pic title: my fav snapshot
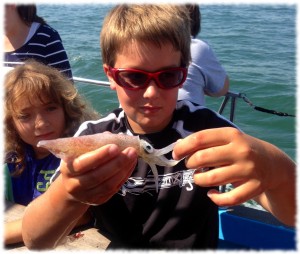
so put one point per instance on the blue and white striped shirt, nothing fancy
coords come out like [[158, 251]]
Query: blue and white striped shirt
[[44, 46]]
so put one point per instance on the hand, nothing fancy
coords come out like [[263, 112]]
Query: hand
[[91, 178], [95, 177], [253, 166]]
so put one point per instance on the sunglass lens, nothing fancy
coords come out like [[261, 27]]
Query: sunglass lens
[[132, 79], [171, 78]]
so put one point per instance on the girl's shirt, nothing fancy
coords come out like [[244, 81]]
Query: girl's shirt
[[33, 181]]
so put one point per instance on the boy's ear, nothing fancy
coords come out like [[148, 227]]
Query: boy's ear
[[109, 76], [106, 69]]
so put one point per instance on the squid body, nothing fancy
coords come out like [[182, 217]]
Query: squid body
[[72, 147]]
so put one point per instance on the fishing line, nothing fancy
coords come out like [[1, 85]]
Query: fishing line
[[270, 111]]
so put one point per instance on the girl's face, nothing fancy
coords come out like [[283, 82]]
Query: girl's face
[[149, 109], [35, 120]]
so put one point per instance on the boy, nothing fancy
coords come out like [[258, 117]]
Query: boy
[[145, 51]]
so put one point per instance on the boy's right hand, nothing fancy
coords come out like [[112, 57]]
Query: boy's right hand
[[94, 177]]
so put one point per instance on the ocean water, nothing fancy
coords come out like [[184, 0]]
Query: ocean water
[[255, 43]]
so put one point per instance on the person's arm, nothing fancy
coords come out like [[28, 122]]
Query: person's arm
[[280, 197], [257, 170], [50, 217], [222, 92], [13, 229], [92, 178], [13, 232], [206, 62]]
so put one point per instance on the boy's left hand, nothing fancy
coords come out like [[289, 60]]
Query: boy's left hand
[[255, 168]]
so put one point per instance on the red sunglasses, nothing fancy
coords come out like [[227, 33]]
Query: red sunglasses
[[134, 79]]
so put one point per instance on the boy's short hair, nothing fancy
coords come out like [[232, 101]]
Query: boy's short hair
[[157, 24]]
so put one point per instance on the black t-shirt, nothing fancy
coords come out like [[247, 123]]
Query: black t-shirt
[[179, 215]]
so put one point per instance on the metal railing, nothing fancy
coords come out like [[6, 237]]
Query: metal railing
[[233, 97], [91, 81]]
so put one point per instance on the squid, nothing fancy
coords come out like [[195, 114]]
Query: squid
[[72, 147]]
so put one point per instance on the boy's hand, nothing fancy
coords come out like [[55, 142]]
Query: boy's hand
[[95, 177], [255, 168]]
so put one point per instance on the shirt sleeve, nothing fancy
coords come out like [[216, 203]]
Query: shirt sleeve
[[207, 63], [57, 56]]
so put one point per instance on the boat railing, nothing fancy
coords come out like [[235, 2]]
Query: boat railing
[[232, 96], [91, 81]]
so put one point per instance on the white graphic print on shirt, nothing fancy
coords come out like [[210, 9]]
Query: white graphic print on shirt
[[138, 185]]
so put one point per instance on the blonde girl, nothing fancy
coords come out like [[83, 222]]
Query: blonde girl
[[40, 103]]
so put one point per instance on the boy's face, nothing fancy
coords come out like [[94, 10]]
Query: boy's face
[[149, 109]]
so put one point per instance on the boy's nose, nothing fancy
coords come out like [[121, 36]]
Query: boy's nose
[[152, 88]]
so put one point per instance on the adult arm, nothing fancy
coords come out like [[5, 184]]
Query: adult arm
[[221, 92], [257, 170], [216, 81]]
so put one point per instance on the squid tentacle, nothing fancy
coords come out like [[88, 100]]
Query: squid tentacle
[[165, 150]]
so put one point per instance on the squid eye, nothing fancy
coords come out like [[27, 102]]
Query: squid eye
[[147, 147]]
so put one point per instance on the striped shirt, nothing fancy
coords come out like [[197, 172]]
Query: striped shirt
[[44, 46]]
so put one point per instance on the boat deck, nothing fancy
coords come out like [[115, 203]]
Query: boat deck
[[80, 239], [241, 228]]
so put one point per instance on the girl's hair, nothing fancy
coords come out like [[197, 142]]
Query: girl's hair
[[195, 18], [28, 13], [36, 80], [157, 24]]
